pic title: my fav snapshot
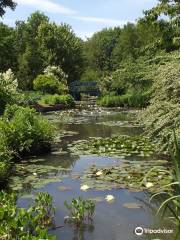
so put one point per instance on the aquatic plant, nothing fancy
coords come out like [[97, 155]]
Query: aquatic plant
[[44, 209], [19, 223], [119, 146], [129, 175], [81, 210], [172, 196]]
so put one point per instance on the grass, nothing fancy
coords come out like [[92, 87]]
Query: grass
[[127, 100], [172, 198]]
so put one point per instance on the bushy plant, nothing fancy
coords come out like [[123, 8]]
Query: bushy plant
[[24, 131], [19, 223], [66, 100], [170, 193], [57, 72], [8, 87], [46, 84], [80, 211], [162, 116], [30, 98]]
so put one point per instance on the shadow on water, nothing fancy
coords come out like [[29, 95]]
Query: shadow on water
[[112, 221]]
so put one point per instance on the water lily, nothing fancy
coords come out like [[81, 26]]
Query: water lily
[[149, 184], [99, 173], [84, 187], [109, 198], [35, 174]]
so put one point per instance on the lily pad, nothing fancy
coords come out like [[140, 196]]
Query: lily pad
[[132, 205]]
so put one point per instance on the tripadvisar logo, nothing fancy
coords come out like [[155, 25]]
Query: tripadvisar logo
[[139, 231]]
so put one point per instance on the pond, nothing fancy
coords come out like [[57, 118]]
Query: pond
[[60, 174]]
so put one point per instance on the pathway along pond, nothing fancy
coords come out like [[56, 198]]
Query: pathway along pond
[[59, 174]]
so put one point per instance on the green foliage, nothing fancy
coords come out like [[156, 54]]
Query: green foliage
[[131, 99], [4, 170], [24, 131], [90, 75], [57, 72], [66, 100], [18, 223], [30, 97], [98, 50], [46, 84], [162, 116], [4, 4], [60, 47], [171, 192], [8, 54], [80, 211], [8, 87]]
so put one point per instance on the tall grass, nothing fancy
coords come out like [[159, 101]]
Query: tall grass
[[130, 99], [172, 200]]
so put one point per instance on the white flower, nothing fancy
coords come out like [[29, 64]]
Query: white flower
[[84, 187], [149, 184], [109, 198], [99, 173], [35, 174]]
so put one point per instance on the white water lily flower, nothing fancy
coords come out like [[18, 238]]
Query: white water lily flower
[[149, 184], [99, 173], [84, 187], [35, 174], [109, 198]]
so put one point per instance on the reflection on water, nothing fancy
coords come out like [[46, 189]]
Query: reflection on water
[[111, 221]]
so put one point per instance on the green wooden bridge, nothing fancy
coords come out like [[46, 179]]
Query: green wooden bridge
[[77, 88]]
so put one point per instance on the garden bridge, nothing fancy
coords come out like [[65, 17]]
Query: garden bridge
[[79, 87]]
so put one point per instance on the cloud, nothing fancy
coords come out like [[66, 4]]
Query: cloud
[[107, 21], [47, 5]]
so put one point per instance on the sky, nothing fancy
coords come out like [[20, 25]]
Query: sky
[[85, 16]]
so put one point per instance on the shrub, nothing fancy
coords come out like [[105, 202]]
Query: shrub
[[162, 116], [30, 98], [24, 131], [8, 87], [57, 72], [46, 84], [67, 100], [4, 171]]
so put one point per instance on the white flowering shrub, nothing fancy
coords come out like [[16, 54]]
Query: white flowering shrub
[[8, 82], [8, 87], [57, 72]]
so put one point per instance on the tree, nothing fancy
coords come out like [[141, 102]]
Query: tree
[[61, 47], [30, 59], [4, 4], [171, 9], [8, 53], [98, 50], [127, 46]]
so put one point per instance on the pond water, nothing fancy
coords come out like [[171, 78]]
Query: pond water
[[112, 221]]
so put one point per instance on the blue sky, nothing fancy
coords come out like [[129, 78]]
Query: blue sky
[[85, 16]]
